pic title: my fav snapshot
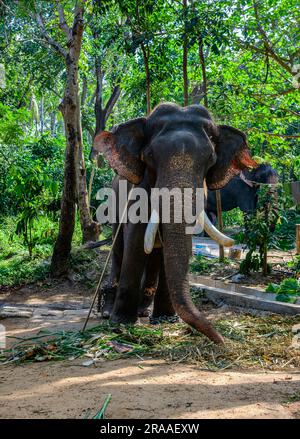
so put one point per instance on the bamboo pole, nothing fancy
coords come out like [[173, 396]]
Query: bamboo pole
[[220, 222]]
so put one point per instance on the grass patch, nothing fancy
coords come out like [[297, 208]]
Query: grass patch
[[201, 264], [295, 397], [251, 342], [20, 269], [17, 268]]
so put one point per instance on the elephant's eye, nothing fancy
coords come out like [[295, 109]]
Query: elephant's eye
[[149, 154], [213, 157]]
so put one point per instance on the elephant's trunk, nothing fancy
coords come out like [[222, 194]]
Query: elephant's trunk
[[177, 251]]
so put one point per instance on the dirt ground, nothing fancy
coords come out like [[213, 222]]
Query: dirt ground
[[145, 389], [140, 388], [276, 258]]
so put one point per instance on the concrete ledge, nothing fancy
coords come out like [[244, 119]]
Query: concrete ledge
[[232, 287], [246, 300], [12, 311], [42, 314]]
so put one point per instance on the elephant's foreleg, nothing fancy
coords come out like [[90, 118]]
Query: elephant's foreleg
[[109, 292], [125, 308]]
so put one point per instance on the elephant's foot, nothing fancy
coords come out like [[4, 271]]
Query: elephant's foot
[[163, 310], [144, 312], [122, 319], [157, 320], [125, 309], [147, 299], [106, 301]]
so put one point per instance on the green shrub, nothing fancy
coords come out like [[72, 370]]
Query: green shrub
[[287, 291], [295, 265], [257, 234]]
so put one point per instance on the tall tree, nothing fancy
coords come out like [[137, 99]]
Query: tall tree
[[185, 55], [70, 109], [74, 189]]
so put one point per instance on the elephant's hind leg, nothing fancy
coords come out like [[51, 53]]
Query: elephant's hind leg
[[108, 292], [125, 308], [106, 300]]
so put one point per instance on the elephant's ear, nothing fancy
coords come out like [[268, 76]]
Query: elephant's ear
[[122, 148], [233, 156]]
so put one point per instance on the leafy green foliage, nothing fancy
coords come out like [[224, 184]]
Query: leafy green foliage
[[200, 264], [295, 265], [257, 231], [32, 190], [287, 291], [16, 267], [234, 217], [248, 86], [283, 237]]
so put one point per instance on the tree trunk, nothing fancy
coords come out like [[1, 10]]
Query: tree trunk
[[185, 59], [265, 259], [53, 123], [42, 115], [99, 113], [148, 81], [203, 69], [84, 90], [90, 229], [70, 109]]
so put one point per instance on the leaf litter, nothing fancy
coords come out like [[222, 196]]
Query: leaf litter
[[251, 342]]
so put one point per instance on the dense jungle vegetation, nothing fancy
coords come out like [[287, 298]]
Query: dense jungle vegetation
[[70, 69]]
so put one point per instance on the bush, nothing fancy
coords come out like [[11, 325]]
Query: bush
[[287, 291], [258, 234]]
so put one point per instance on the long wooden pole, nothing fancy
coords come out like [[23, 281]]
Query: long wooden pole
[[220, 222]]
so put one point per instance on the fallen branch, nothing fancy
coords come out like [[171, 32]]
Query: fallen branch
[[91, 245]]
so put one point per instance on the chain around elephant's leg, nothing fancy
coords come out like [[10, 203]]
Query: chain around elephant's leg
[[149, 282], [163, 310]]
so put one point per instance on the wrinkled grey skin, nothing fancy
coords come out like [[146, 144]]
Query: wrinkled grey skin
[[174, 148], [239, 194]]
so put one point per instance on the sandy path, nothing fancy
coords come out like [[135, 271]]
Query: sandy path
[[144, 389], [140, 389]]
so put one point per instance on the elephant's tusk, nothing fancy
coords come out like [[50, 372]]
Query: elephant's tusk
[[151, 230], [205, 188], [215, 234]]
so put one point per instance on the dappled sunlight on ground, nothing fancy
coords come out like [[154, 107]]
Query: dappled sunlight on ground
[[141, 389]]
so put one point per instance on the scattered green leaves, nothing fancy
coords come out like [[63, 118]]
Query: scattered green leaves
[[251, 341]]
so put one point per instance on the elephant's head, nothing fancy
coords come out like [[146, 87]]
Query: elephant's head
[[178, 148]]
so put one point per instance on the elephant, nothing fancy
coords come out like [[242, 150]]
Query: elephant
[[241, 191], [173, 147]]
